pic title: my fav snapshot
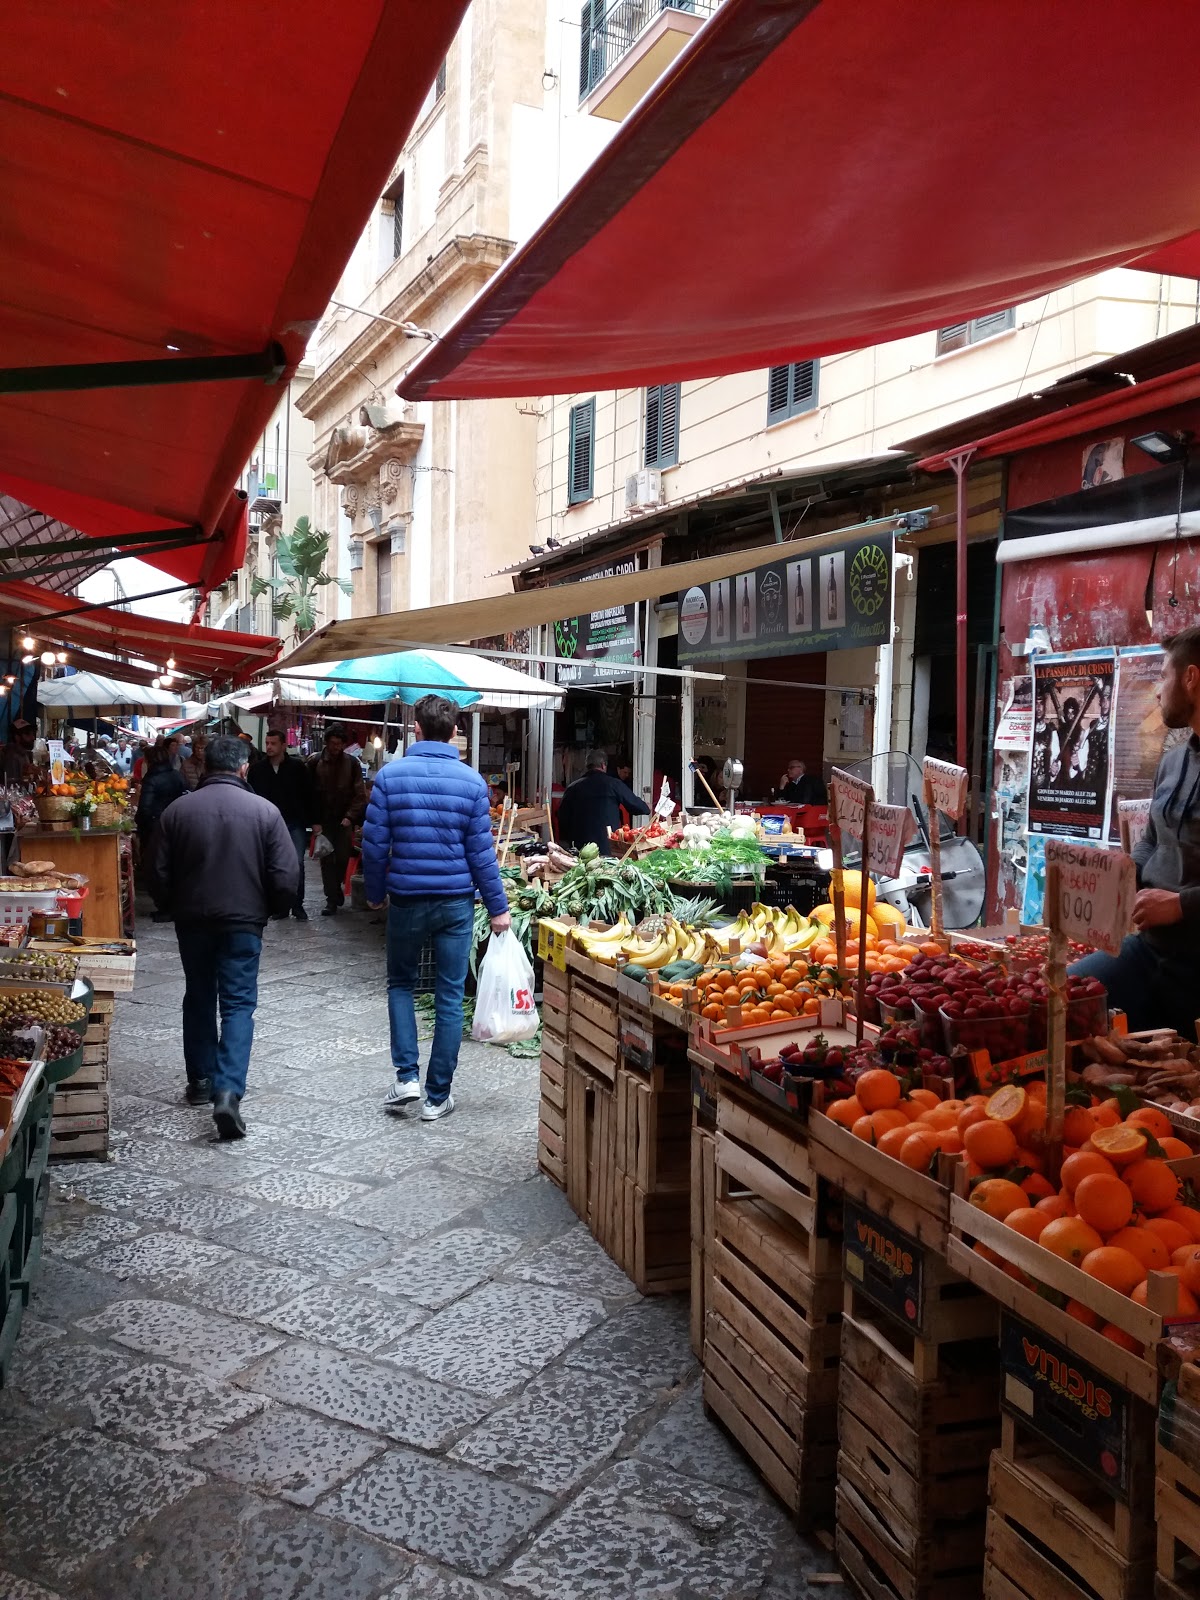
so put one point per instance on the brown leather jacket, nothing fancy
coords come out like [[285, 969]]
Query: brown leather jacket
[[340, 789]]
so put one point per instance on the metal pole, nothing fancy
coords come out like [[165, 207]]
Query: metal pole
[[687, 740], [958, 464], [475, 740]]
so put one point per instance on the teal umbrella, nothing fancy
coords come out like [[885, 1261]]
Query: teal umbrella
[[407, 675]]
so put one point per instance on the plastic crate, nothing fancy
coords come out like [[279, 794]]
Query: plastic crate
[[16, 906]]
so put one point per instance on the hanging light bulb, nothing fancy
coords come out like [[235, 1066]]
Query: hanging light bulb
[[10, 677], [156, 683], [28, 644], [27, 661], [61, 658], [168, 678], [3, 688], [47, 658], [377, 742], [170, 663]]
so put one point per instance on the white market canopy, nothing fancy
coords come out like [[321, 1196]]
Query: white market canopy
[[90, 694]]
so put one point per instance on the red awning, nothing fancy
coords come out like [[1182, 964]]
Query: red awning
[[814, 177], [183, 181], [212, 654]]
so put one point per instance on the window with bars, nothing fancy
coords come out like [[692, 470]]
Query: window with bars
[[661, 442], [396, 195], [960, 334], [581, 437], [792, 390]]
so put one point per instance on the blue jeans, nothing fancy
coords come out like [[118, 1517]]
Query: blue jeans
[[1154, 990], [220, 966], [446, 922], [300, 845]]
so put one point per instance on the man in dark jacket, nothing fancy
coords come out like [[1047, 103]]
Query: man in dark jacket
[[341, 801], [1156, 978], [287, 783], [427, 847], [223, 862], [161, 786], [592, 804]]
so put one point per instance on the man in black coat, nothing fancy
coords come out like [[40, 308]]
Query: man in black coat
[[223, 862], [592, 804], [288, 784]]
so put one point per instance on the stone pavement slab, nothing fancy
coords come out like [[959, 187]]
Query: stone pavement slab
[[461, 1260], [334, 1314], [158, 1405], [212, 1344], [289, 1453]]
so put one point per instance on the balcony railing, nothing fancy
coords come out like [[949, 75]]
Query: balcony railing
[[610, 29]]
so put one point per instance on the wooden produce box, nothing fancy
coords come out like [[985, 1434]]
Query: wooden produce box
[[911, 1201], [592, 1022], [552, 1106], [703, 1229], [1041, 1269], [917, 1424], [110, 965], [654, 1125], [736, 1051], [1053, 1534], [911, 1283], [1177, 1517], [591, 1172]]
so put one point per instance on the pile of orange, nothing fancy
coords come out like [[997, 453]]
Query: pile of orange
[[778, 989], [1118, 1213], [881, 957]]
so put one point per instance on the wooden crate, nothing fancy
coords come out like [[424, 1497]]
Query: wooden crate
[[912, 1284], [762, 1153], [1177, 1515], [592, 1026], [590, 1169], [703, 1229], [792, 1445], [554, 1003], [651, 1236], [912, 1201], [913, 1461], [95, 1055], [552, 1119], [654, 1129]]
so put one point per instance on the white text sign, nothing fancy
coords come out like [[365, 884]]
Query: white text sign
[[1096, 891]]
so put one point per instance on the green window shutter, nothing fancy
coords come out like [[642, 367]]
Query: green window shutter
[[954, 337], [804, 386], [778, 393], [661, 441], [580, 438], [994, 322]]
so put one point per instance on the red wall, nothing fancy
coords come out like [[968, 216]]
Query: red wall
[[782, 723]]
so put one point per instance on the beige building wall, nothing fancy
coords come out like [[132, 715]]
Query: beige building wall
[[430, 501]]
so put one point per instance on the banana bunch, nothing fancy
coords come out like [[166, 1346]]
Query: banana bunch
[[786, 932], [603, 947], [673, 944]]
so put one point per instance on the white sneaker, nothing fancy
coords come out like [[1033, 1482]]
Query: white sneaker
[[431, 1113], [401, 1095]]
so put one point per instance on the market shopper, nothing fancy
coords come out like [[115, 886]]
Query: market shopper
[[288, 784], [799, 787], [592, 805], [18, 753], [427, 847], [1155, 979], [340, 803], [222, 862], [192, 766], [161, 787]]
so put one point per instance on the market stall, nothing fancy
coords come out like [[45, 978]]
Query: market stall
[[941, 1228]]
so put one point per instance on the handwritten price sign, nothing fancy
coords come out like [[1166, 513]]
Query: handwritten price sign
[[851, 797], [1096, 891], [1133, 818], [891, 827], [946, 786]]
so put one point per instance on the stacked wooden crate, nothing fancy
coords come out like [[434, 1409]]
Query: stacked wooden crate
[[82, 1121], [703, 1198], [1177, 1488], [772, 1327], [552, 1108], [590, 1098]]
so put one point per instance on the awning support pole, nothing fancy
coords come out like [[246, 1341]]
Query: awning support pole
[[269, 365], [475, 740], [645, 705], [687, 739], [958, 464], [773, 502]]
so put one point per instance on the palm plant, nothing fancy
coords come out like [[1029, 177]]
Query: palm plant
[[301, 556]]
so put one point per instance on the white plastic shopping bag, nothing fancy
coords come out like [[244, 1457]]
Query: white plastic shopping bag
[[504, 1008]]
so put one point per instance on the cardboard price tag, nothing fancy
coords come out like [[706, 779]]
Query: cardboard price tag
[[851, 797], [1096, 892], [1133, 818], [891, 827], [946, 785]]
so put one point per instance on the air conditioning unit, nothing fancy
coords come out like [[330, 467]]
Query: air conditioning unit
[[356, 558], [397, 543], [643, 489]]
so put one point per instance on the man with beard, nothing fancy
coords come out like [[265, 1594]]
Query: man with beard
[[1156, 977]]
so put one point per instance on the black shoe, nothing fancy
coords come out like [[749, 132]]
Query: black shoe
[[227, 1116], [330, 910], [198, 1092], [162, 916], [300, 914], [280, 916]]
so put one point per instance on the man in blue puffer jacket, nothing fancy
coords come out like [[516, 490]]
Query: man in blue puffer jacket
[[427, 845]]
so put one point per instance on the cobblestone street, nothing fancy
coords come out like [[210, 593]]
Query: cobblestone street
[[352, 1357]]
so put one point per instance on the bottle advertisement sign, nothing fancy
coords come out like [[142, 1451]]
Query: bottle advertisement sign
[[834, 600], [600, 646]]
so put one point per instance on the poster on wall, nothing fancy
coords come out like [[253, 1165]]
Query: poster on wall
[[600, 646], [1071, 767], [835, 600], [1014, 726], [1140, 740]]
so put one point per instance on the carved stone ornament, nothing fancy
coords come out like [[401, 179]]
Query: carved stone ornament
[[350, 499], [371, 495], [390, 476]]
